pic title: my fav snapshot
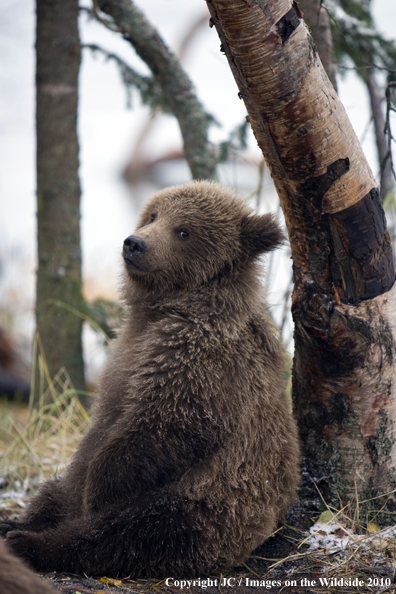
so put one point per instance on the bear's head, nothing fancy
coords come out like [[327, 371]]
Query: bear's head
[[190, 234]]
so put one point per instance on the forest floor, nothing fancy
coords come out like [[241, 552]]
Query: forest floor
[[338, 552]]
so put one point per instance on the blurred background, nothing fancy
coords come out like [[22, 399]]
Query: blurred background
[[127, 153]]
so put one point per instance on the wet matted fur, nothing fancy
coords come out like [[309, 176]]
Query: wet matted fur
[[192, 456]]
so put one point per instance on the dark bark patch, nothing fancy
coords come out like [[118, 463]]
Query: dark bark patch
[[314, 188], [339, 409], [346, 271], [314, 308], [288, 23], [361, 262], [306, 164], [286, 96], [380, 445], [329, 344], [302, 131], [385, 339], [318, 237], [354, 244], [332, 414]]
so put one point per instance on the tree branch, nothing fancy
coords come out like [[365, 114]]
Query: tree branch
[[176, 86]]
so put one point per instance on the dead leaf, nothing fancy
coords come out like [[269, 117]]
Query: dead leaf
[[111, 582], [372, 528]]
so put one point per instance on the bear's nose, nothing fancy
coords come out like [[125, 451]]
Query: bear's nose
[[134, 245]]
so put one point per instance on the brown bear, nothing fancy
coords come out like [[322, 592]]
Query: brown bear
[[192, 456], [15, 578]]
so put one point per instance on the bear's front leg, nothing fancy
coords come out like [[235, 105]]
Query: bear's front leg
[[47, 509], [9, 525], [93, 546], [52, 550], [29, 546]]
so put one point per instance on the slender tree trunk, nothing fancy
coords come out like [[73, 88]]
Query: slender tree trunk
[[344, 294], [58, 188], [376, 99], [174, 82], [317, 19]]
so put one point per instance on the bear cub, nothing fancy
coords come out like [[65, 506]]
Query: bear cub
[[192, 456]]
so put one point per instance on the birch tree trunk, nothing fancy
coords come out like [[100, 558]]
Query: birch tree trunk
[[58, 188], [344, 294]]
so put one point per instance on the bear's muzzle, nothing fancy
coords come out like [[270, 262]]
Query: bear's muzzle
[[132, 249]]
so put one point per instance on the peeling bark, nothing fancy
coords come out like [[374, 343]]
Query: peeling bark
[[343, 375]]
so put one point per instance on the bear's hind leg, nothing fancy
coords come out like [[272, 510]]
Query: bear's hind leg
[[157, 537]]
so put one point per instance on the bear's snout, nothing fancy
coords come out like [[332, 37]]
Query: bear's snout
[[134, 245], [133, 248]]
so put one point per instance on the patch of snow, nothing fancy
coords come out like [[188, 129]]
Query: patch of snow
[[332, 538]]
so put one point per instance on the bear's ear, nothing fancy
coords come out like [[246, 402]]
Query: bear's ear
[[261, 233]]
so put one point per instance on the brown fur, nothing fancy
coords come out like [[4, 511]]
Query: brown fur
[[15, 578], [192, 456]]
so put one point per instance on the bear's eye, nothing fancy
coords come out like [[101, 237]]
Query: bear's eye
[[153, 216], [183, 234]]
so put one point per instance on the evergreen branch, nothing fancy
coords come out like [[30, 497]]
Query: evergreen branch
[[355, 36], [107, 24], [175, 84], [150, 92], [349, 22], [236, 142]]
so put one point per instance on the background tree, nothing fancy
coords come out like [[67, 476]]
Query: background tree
[[344, 370], [58, 191], [317, 19], [359, 45], [60, 305]]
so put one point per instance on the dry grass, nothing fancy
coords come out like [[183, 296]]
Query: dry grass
[[37, 442]]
